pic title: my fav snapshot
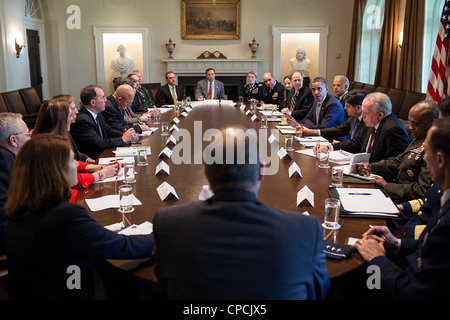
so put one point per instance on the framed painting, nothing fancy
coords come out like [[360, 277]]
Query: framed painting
[[211, 19]]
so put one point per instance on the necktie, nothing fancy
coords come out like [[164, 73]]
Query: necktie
[[369, 145], [129, 114], [210, 90], [354, 128], [174, 95], [293, 102], [319, 106], [99, 127]]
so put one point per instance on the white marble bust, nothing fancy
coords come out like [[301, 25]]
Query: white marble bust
[[300, 62], [123, 64]]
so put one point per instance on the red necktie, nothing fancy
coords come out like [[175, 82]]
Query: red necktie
[[372, 136], [210, 90]]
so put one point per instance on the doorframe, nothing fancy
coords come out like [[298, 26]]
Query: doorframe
[[36, 25], [323, 43]]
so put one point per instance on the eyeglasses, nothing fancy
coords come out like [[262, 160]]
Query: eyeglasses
[[24, 133]]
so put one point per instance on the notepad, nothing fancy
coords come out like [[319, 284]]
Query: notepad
[[366, 200]]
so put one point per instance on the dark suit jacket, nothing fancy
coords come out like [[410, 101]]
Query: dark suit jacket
[[87, 137], [430, 280], [234, 247], [202, 89], [303, 103], [275, 95], [38, 258], [406, 174], [6, 164], [164, 96], [114, 115], [331, 114], [345, 129]]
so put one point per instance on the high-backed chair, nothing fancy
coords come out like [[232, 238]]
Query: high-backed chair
[[397, 96], [15, 104], [411, 98], [358, 85], [382, 89], [31, 100], [3, 107], [368, 87]]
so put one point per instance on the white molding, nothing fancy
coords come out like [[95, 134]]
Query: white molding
[[193, 67], [98, 32], [323, 43]]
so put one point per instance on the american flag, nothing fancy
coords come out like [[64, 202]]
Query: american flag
[[438, 86]]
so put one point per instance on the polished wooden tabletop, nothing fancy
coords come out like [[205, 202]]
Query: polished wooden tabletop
[[277, 190]]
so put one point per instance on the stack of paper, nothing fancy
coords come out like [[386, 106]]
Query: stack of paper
[[128, 151], [364, 201], [286, 129]]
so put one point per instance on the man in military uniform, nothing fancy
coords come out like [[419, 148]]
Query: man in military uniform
[[144, 98], [253, 91], [406, 177]]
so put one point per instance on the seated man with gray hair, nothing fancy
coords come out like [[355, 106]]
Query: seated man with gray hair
[[232, 246], [386, 137], [13, 134]]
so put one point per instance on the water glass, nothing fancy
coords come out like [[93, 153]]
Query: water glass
[[126, 198], [142, 158], [129, 176], [164, 129], [263, 122], [331, 217], [337, 176], [324, 156], [288, 143], [134, 140]]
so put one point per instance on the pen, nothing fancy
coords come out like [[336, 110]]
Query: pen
[[116, 159], [383, 236], [359, 194]]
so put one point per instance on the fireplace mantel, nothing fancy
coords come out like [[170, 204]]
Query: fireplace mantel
[[193, 67]]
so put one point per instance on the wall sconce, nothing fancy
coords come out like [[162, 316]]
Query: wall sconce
[[18, 49], [400, 39]]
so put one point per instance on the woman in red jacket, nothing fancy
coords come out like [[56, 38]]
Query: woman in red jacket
[[55, 116]]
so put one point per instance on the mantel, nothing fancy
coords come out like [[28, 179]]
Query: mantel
[[186, 67]]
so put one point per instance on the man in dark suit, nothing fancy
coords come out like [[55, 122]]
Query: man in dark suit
[[299, 100], [232, 246], [351, 127], [417, 269], [13, 134], [169, 93], [340, 89], [326, 111], [90, 131], [209, 88], [387, 136], [118, 114], [274, 91], [406, 176]]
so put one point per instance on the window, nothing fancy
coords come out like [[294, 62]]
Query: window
[[367, 55]]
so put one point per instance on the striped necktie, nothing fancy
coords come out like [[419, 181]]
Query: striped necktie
[[294, 98]]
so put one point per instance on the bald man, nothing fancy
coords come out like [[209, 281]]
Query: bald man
[[406, 177], [118, 114]]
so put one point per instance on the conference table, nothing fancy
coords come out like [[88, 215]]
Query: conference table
[[277, 190]]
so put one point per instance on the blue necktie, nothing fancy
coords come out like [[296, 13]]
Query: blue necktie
[[99, 127], [354, 128]]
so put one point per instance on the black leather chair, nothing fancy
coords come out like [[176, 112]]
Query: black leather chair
[[15, 104], [31, 100], [411, 98]]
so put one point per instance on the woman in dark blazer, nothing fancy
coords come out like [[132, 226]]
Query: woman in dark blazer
[[51, 243]]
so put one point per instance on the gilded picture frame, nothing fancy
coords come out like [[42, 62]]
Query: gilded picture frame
[[211, 19]]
